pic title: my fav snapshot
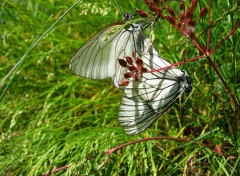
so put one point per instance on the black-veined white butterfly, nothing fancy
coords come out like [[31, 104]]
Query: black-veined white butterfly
[[128, 56], [97, 58], [147, 95]]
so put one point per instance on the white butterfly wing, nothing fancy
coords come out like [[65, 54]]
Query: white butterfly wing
[[131, 40], [96, 58], [134, 115], [146, 99]]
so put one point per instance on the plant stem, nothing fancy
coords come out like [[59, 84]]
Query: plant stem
[[56, 170], [207, 54], [209, 22], [108, 152]]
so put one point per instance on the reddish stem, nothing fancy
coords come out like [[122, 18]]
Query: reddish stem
[[209, 22], [224, 39], [108, 152], [198, 57], [207, 54], [56, 170], [178, 63], [212, 51], [223, 80]]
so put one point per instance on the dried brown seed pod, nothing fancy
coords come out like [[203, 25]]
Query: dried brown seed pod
[[122, 62]]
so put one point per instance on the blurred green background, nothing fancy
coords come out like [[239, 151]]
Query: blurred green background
[[50, 118]]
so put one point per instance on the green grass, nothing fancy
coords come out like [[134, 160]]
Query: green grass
[[50, 118]]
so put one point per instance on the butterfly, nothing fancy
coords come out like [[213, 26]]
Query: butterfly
[[97, 58], [148, 94], [128, 56]]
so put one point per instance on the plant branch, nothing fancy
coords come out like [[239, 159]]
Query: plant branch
[[56, 170], [207, 54], [108, 152], [209, 30], [178, 63], [224, 39]]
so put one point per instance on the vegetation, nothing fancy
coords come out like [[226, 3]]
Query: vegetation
[[51, 120]]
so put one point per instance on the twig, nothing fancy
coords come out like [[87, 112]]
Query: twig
[[224, 39], [176, 64], [56, 170], [108, 152], [209, 21], [207, 54]]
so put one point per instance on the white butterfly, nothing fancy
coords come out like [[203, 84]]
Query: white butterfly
[[127, 56], [146, 98], [97, 58]]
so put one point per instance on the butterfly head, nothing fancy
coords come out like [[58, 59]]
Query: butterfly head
[[128, 17], [187, 81]]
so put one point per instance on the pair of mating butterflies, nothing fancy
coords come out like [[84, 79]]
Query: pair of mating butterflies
[[128, 56]]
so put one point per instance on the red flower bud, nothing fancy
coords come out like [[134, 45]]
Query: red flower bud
[[122, 62], [193, 5], [170, 10], [149, 3], [123, 83], [203, 12], [182, 6], [182, 15], [128, 75], [139, 61], [144, 70], [129, 60], [153, 8], [142, 13], [171, 20], [132, 68], [159, 10]]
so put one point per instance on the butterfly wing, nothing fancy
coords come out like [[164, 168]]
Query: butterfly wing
[[131, 41], [146, 99], [96, 58]]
